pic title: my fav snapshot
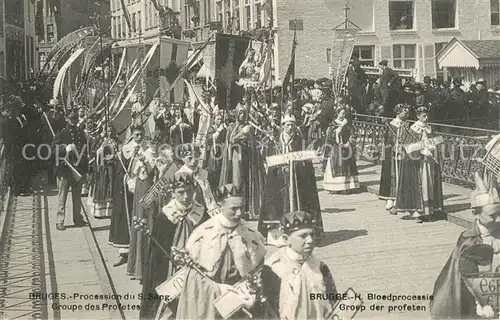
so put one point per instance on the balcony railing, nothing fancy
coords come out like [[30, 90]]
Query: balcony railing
[[459, 155]]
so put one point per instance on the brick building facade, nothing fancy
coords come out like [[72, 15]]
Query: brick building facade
[[408, 33], [17, 40], [143, 17], [56, 19]]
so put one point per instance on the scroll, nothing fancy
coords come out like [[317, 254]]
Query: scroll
[[171, 289], [429, 143], [159, 187]]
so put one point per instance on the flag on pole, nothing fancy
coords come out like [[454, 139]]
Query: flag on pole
[[341, 53], [290, 74], [173, 57], [230, 53]]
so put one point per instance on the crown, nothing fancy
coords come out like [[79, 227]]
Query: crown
[[483, 196], [180, 180], [288, 118], [297, 220], [401, 107], [229, 190], [189, 149], [422, 109]]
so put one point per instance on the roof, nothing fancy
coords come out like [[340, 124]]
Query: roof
[[484, 49], [470, 53]]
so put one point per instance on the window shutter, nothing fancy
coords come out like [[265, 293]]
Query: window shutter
[[420, 61], [429, 60], [386, 54]]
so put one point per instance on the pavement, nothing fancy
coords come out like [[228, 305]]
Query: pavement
[[366, 249]]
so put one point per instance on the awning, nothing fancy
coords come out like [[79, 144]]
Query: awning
[[469, 54]]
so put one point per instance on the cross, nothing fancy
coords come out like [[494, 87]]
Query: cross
[[346, 9]]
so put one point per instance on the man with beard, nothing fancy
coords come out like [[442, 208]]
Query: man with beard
[[228, 251], [242, 164], [121, 213], [388, 82], [276, 202], [452, 299]]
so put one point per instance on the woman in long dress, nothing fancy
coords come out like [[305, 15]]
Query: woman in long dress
[[393, 152], [144, 173], [422, 193], [105, 168], [341, 172], [121, 213]]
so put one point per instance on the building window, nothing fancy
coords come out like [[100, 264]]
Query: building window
[[197, 21], [258, 16], [248, 17], [361, 13], [401, 14], [365, 54], [328, 55], [119, 26], [495, 12], [124, 28], [208, 16], [134, 25], [404, 55], [443, 14], [139, 22], [50, 32], [438, 46], [146, 15]]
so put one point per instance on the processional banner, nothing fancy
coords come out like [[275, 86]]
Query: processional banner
[[173, 59], [70, 39], [341, 52], [230, 54]]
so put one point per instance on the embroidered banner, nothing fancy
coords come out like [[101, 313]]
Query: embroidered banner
[[173, 58], [230, 53], [343, 45]]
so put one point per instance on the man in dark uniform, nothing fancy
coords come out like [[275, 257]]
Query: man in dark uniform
[[388, 84], [70, 143], [456, 108]]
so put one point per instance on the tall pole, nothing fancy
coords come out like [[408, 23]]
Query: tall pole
[[105, 84]]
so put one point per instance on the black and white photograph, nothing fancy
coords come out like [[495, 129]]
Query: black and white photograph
[[249, 159]]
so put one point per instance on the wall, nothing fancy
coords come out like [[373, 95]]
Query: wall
[[321, 16]]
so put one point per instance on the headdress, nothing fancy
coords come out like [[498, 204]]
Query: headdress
[[400, 107], [73, 116], [136, 126], [297, 220], [189, 149], [156, 137], [240, 108], [481, 80], [53, 102], [422, 109], [228, 191], [288, 118], [482, 196], [180, 179]]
